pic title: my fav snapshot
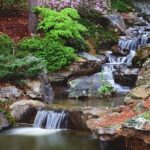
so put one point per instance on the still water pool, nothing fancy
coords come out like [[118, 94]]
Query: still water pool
[[41, 139]]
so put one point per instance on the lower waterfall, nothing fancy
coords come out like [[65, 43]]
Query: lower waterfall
[[52, 120]]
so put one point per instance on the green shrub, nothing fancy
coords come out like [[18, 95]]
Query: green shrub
[[13, 68], [6, 45], [55, 54], [121, 5], [61, 25]]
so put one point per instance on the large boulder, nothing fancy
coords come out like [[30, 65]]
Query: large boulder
[[86, 86], [142, 55], [76, 69], [117, 51], [140, 92], [24, 111]]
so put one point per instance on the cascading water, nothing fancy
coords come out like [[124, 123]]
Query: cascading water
[[136, 38], [51, 120], [108, 69]]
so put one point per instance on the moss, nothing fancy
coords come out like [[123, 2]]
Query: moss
[[4, 108], [146, 115], [121, 5]]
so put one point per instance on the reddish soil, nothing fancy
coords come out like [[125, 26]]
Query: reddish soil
[[16, 27], [116, 118]]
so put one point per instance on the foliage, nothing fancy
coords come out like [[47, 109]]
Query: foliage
[[9, 7], [6, 45], [55, 54], [146, 115], [106, 89], [62, 32], [121, 5], [99, 31], [13, 68], [62, 25], [4, 108]]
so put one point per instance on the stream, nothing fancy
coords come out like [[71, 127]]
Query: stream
[[50, 129]]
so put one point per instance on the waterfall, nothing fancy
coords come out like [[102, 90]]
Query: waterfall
[[109, 67], [51, 119], [132, 43]]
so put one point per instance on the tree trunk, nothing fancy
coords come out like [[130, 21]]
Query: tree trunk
[[33, 18]]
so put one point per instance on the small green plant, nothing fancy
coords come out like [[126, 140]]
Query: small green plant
[[6, 45], [106, 89]]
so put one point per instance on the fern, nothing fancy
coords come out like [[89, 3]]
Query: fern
[[60, 25]]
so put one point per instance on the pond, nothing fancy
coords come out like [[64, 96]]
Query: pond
[[41, 139]]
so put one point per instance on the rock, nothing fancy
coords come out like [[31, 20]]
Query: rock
[[144, 74], [10, 92], [24, 111], [138, 123], [78, 115], [142, 55], [4, 123], [34, 90], [125, 76], [46, 89], [99, 58], [118, 51], [86, 86], [141, 92], [132, 19], [117, 22]]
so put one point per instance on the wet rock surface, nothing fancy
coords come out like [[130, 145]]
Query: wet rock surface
[[24, 111]]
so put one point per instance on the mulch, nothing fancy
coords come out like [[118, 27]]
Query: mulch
[[16, 27]]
